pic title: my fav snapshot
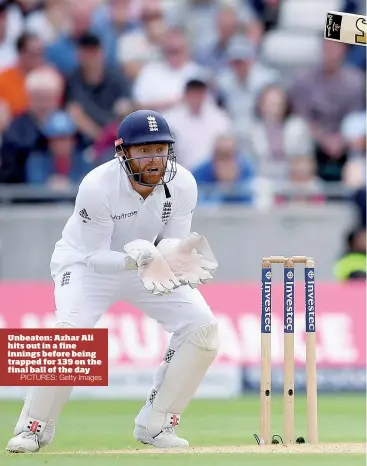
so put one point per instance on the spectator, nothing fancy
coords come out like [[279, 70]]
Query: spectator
[[110, 21], [196, 123], [46, 18], [24, 135], [214, 53], [199, 17], [227, 176], [61, 164], [94, 90], [7, 59], [5, 118], [353, 130], [27, 7], [302, 183], [352, 265], [19, 14], [268, 11], [160, 85], [51, 21], [275, 135], [240, 83], [354, 171], [359, 200], [7, 47], [323, 96], [13, 92], [140, 47], [63, 52]]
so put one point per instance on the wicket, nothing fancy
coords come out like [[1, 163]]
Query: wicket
[[311, 374]]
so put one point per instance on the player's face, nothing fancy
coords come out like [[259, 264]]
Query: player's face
[[150, 160]]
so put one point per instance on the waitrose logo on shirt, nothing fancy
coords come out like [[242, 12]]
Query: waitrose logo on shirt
[[122, 216]]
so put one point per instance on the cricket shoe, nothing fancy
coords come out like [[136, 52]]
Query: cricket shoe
[[25, 442], [165, 439]]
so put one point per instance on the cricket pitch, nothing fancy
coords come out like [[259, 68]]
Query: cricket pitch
[[328, 448]]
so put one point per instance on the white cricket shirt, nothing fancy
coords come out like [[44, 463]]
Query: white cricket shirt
[[109, 213]]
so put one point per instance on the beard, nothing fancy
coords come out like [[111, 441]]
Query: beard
[[151, 174], [152, 177]]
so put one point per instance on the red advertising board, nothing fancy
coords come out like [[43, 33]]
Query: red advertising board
[[136, 340]]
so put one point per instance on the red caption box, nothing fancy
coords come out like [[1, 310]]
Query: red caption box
[[73, 357]]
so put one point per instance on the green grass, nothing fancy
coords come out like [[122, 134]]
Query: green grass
[[108, 425]]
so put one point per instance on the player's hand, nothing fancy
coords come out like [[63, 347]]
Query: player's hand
[[191, 259], [153, 270]]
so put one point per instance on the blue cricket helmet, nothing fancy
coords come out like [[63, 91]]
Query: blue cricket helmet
[[145, 127]]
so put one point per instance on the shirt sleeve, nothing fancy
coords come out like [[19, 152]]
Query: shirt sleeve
[[95, 230], [179, 225]]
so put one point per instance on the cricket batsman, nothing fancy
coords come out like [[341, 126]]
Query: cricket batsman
[[129, 238]]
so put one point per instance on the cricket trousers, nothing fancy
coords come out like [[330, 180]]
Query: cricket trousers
[[82, 296]]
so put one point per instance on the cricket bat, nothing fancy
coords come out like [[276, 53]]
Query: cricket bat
[[345, 27]]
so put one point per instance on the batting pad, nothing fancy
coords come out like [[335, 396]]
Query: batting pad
[[41, 409], [183, 376]]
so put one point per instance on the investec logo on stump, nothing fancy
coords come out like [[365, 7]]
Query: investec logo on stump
[[266, 297], [289, 302], [289, 311], [123, 216], [310, 301]]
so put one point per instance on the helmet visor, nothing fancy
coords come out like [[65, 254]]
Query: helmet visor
[[148, 170]]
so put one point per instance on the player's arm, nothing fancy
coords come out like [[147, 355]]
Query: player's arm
[[95, 231]]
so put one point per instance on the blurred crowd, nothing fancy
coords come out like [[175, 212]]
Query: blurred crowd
[[245, 124]]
